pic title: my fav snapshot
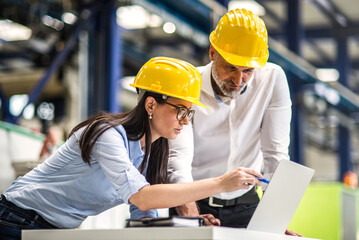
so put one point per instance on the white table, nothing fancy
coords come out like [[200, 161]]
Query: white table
[[155, 233]]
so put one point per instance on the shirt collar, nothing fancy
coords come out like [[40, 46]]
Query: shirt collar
[[206, 79], [133, 147]]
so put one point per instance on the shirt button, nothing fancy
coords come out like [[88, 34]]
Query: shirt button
[[128, 169]]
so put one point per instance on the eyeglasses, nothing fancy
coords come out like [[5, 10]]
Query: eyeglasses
[[182, 112]]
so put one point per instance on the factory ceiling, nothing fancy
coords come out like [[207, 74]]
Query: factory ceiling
[[324, 24]]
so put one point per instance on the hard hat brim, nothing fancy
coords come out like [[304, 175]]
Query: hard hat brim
[[194, 101]]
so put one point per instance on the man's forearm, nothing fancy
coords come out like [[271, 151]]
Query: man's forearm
[[189, 209]]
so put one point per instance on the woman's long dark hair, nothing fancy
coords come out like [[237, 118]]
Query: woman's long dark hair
[[136, 124]]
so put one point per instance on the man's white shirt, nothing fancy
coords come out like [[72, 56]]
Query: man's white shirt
[[251, 130]]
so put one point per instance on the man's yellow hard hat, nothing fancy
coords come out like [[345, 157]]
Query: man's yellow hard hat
[[171, 77], [241, 39]]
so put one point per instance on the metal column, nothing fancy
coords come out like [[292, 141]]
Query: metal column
[[115, 61], [5, 107], [105, 62], [344, 146], [294, 36]]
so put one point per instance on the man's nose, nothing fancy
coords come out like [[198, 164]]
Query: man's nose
[[238, 78]]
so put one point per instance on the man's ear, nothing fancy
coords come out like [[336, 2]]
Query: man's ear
[[212, 52]]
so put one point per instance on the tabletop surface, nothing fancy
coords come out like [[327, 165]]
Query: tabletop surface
[[155, 233]]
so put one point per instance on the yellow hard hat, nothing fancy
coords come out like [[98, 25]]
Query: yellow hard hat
[[172, 77], [241, 39]]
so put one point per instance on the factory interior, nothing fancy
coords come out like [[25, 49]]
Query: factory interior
[[62, 61]]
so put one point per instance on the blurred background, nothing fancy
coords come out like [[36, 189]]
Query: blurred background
[[62, 61]]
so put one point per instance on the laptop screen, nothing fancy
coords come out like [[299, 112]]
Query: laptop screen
[[281, 198]]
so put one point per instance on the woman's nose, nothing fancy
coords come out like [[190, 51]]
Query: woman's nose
[[185, 120]]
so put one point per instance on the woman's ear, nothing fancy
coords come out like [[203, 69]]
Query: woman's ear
[[150, 104]]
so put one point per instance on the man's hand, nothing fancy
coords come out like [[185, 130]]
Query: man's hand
[[291, 233], [190, 209], [210, 220]]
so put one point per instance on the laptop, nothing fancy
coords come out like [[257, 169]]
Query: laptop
[[281, 198]]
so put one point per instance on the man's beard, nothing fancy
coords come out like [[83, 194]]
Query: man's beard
[[221, 84]]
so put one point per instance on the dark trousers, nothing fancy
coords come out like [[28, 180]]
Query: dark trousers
[[235, 216], [232, 213], [13, 219]]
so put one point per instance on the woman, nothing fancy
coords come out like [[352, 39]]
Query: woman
[[112, 159]]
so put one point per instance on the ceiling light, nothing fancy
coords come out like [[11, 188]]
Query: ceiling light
[[155, 20], [137, 17], [17, 103], [69, 18], [169, 27], [133, 17], [52, 22], [332, 96], [249, 5], [11, 31], [327, 74], [29, 112], [329, 94], [46, 111]]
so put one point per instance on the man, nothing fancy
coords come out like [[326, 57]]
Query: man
[[249, 123]]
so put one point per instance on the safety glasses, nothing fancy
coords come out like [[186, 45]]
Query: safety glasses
[[182, 112]]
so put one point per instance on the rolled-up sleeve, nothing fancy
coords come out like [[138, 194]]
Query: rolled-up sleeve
[[138, 214], [111, 152]]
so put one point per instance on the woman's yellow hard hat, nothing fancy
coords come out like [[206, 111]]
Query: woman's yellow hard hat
[[171, 77], [241, 39]]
